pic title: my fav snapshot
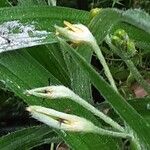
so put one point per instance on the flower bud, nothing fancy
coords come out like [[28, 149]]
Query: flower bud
[[94, 12], [122, 41], [60, 120], [51, 92], [76, 33]]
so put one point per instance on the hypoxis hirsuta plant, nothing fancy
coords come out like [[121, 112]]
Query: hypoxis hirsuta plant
[[35, 74], [78, 34]]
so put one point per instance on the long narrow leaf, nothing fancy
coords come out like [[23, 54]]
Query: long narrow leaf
[[28, 138]]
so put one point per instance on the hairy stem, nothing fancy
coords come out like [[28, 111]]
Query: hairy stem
[[111, 133], [100, 56], [96, 112]]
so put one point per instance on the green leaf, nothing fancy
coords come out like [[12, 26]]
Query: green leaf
[[30, 26], [120, 105], [138, 18], [139, 104], [4, 3], [28, 3], [46, 56], [28, 138], [46, 17], [103, 22], [79, 81]]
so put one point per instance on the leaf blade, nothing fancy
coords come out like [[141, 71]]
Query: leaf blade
[[28, 138]]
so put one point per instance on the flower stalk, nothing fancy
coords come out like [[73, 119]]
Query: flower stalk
[[100, 56], [57, 92]]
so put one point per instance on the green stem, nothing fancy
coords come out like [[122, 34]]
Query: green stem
[[136, 144], [52, 146], [100, 56], [111, 133], [96, 112], [52, 2]]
